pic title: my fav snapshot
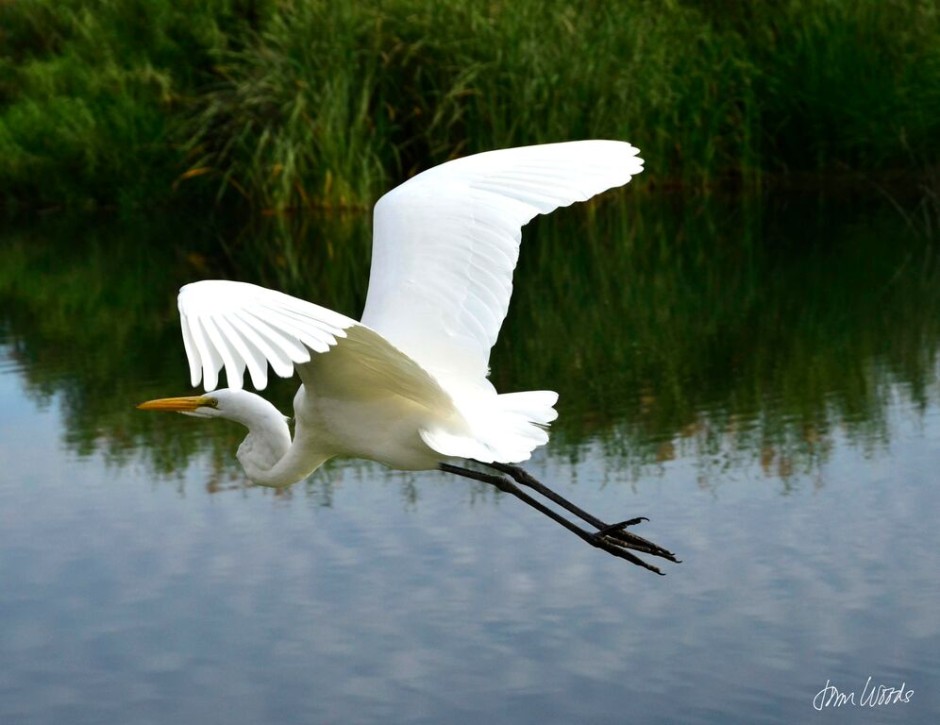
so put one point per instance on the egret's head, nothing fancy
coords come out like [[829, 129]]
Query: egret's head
[[268, 438], [238, 405], [200, 406]]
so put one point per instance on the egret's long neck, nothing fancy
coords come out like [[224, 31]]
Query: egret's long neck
[[267, 454]]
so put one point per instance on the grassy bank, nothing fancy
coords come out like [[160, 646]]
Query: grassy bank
[[288, 104]]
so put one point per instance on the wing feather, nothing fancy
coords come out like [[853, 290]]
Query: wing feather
[[223, 346], [192, 352], [250, 357], [210, 361], [268, 342], [271, 326], [236, 325], [446, 243]]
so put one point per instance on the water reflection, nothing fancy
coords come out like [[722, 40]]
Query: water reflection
[[759, 380], [735, 332]]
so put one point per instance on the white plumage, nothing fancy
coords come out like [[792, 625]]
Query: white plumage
[[407, 386]]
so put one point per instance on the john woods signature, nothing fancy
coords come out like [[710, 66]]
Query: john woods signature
[[871, 696]]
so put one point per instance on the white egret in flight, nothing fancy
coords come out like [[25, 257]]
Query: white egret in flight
[[407, 386]]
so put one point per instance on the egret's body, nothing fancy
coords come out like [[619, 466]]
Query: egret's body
[[407, 386]]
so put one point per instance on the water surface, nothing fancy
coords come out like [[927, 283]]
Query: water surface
[[759, 378]]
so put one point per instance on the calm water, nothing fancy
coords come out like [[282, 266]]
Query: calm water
[[759, 379]]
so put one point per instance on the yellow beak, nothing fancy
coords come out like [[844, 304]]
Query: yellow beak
[[186, 404]]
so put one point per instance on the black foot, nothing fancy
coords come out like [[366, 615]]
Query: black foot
[[622, 525], [612, 538]]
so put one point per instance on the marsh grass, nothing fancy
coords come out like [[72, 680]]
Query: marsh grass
[[333, 106], [851, 85], [294, 104], [90, 94]]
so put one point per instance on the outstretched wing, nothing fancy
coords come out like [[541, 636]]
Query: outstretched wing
[[445, 244], [241, 325]]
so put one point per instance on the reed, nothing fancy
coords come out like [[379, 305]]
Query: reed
[[92, 94], [294, 103]]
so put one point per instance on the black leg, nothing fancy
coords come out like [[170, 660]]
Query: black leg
[[613, 539], [616, 531]]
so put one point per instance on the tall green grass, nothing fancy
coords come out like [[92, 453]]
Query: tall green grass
[[292, 103], [335, 104], [849, 86], [90, 94]]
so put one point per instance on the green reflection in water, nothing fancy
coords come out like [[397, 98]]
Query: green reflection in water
[[735, 328], [741, 330]]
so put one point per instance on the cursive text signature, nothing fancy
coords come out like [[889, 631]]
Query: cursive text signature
[[871, 696]]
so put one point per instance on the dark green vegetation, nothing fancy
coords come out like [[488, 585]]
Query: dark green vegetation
[[734, 330], [288, 103]]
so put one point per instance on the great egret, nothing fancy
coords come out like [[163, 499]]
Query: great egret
[[407, 386]]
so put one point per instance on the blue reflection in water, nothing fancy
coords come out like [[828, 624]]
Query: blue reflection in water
[[803, 505], [422, 599]]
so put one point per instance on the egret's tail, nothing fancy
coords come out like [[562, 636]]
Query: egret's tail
[[500, 428]]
